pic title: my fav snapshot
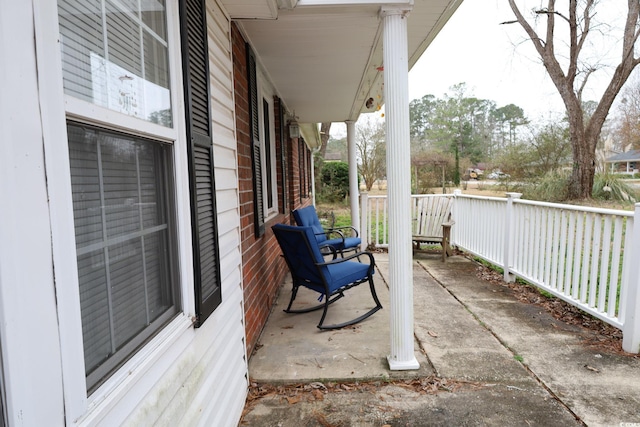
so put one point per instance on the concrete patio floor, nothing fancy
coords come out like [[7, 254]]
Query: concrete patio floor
[[507, 362]]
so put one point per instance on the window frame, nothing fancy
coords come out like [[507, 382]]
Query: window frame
[[57, 108], [102, 372], [265, 96]]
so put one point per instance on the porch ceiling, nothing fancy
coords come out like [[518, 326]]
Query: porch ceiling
[[325, 59]]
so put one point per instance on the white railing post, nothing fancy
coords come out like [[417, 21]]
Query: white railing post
[[454, 207], [364, 220], [508, 240], [631, 326]]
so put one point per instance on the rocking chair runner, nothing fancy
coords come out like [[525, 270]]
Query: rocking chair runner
[[308, 217], [329, 278]]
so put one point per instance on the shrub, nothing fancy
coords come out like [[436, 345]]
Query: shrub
[[612, 187], [553, 187], [335, 181]]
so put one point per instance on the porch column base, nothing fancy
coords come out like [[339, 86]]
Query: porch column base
[[403, 365]]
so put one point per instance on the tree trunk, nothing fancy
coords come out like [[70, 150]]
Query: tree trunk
[[324, 137], [581, 181], [584, 163]]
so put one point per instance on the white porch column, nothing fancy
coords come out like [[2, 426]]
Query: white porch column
[[354, 191], [396, 95]]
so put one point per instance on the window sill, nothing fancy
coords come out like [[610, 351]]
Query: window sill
[[130, 382]]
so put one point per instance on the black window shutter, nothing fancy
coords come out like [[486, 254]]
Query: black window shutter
[[195, 64], [256, 151]]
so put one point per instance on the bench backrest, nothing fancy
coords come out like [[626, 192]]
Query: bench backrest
[[431, 213]]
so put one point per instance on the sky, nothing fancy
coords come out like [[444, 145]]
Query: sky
[[497, 62]]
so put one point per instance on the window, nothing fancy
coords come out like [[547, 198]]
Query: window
[[283, 154], [263, 147], [302, 169], [115, 55], [269, 158], [124, 245]]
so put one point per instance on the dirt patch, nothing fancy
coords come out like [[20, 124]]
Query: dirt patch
[[599, 334]]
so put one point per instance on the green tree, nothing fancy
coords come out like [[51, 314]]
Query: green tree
[[421, 113], [472, 130], [460, 125], [338, 146], [570, 70], [508, 119], [335, 181]]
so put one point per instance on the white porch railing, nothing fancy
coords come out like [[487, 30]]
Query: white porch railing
[[588, 257]]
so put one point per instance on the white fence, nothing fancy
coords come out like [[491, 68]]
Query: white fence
[[588, 257]]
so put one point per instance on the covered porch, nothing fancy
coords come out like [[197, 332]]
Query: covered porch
[[485, 357]]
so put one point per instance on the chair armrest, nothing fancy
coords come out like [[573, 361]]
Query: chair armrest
[[336, 229], [372, 261], [330, 231], [332, 251]]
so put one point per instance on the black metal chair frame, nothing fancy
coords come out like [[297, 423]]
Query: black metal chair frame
[[331, 297]]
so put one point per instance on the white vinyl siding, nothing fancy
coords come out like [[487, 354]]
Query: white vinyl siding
[[2, 399], [216, 387], [181, 376]]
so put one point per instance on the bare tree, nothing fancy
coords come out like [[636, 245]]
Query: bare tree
[[570, 82], [628, 120], [370, 143]]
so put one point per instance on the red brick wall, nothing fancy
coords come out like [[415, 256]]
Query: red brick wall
[[263, 267]]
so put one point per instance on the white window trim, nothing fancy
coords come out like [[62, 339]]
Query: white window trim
[[266, 93], [160, 351]]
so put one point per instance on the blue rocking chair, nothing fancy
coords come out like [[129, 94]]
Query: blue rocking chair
[[329, 278], [308, 217]]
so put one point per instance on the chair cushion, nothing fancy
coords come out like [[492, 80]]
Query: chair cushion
[[308, 217], [349, 242], [344, 273]]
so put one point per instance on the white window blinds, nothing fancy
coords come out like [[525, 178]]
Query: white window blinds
[[114, 54], [123, 241]]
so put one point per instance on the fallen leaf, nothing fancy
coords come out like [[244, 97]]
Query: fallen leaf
[[293, 400]]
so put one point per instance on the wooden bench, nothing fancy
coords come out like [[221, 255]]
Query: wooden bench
[[433, 223]]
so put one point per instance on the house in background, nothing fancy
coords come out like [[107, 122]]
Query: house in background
[[147, 148], [627, 162]]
